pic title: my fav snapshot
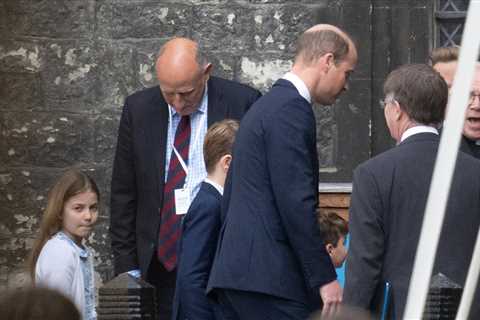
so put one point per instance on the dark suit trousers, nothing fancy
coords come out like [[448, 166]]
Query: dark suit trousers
[[243, 305], [164, 282]]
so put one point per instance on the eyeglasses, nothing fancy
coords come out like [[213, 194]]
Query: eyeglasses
[[472, 97]]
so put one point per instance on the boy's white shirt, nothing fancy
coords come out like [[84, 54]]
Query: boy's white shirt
[[215, 185]]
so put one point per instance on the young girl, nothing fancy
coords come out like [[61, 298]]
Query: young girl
[[59, 258]]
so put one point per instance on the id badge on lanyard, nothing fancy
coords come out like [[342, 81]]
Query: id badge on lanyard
[[182, 195]]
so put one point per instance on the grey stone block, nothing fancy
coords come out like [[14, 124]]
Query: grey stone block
[[21, 56], [20, 91], [53, 18], [116, 76], [277, 28], [224, 64], [47, 139], [142, 19], [70, 81], [106, 128], [261, 72], [221, 27], [326, 136]]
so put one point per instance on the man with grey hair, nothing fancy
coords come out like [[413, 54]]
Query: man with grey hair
[[159, 164], [390, 193], [271, 262]]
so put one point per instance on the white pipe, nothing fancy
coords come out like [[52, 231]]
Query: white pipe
[[444, 166]]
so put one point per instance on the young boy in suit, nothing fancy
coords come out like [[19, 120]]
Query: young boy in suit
[[334, 230], [201, 227]]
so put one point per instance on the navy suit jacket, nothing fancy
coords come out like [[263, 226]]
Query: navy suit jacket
[[201, 227], [270, 241], [388, 202], [138, 174]]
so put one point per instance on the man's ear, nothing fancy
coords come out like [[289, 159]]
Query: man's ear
[[398, 110], [207, 69], [329, 60], [329, 248], [225, 162]]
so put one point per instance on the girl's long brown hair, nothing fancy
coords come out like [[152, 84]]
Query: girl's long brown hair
[[70, 184]]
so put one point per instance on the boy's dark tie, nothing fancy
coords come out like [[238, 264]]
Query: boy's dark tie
[[170, 229]]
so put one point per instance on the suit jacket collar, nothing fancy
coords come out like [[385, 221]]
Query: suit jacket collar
[[217, 110], [157, 133], [285, 83], [424, 136], [212, 190]]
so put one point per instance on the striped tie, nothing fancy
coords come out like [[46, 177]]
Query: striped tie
[[170, 229]]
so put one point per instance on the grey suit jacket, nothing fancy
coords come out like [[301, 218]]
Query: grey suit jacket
[[388, 202]]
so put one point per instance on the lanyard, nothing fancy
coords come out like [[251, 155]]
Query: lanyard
[[196, 137]]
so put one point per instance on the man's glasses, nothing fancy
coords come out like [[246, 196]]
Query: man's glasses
[[472, 97]]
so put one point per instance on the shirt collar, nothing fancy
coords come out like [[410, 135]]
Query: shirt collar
[[299, 85], [418, 129], [203, 104], [215, 185], [82, 252]]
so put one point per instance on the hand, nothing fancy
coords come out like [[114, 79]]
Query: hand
[[331, 294]]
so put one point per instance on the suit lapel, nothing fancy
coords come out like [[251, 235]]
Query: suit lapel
[[157, 136], [217, 110]]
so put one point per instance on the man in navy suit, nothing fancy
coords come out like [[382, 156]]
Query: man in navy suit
[[390, 193], [145, 154], [271, 262], [201, 227]]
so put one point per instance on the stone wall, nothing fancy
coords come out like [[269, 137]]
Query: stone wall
[[67, 65]]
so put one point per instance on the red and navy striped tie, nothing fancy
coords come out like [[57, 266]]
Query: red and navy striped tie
[[170, 225]]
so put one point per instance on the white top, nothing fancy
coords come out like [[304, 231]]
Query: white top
[[215, 185], [299, 85], [59, 267], [418, 129]]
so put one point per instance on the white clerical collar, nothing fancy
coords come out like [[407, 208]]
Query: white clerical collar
[[299, 85], [215, 185], [418, 129]]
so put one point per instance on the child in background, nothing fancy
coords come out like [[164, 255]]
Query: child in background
[[59, 259], [334, 229], [201, 227]]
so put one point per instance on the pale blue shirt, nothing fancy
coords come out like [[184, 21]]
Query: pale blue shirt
[[196, 165]]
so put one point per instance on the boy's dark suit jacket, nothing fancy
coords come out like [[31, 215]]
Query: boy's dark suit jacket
[[201, 227], [270, 241], [388, 202], [139, 167]]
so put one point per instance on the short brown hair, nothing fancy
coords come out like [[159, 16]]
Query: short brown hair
[[333, 227], [444, 54], [421, 92], [219, 142], [313, 44]]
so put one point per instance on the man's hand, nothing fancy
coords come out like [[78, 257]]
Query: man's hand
[[331, 294]]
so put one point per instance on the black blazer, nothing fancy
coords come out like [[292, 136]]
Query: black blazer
[[388, 202], [201, 227], [470, 147], [270, 241], [138, 169]]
